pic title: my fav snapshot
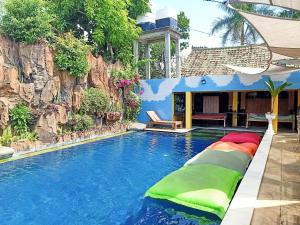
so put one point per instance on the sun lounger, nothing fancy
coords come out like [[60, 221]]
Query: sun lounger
[[155, 120], [253, 117]]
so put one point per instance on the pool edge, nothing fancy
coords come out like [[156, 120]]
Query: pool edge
[[61, 147]]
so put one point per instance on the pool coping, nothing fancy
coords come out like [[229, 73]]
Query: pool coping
[[61, 146], [242, 206]]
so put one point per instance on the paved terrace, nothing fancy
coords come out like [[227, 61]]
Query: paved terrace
[[279, 195]]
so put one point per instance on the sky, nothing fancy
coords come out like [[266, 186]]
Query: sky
[[201, 14]]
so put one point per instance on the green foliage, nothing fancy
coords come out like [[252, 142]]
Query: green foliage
[[275, 91], [26, 20], [82, 122], [184, 29], [95, 102], [6, 137], [71, 55], [19, 118], [138, 7], [113, 29], [115, 107], [133, 106], [235, 28], [30, 136]]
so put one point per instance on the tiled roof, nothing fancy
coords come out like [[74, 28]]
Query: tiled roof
[[212, 61]]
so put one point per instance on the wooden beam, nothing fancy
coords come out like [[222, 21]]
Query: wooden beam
[[188, 110], [235, 99]]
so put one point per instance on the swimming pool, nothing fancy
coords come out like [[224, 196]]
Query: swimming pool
[[100, 183]]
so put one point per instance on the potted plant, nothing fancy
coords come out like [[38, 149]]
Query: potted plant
[[114, 114], [274, 91]]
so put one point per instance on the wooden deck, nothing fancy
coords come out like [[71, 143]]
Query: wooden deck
[[279, 196]]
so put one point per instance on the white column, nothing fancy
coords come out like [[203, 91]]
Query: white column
[[168, 54], [148, 65], [136, 53], [178, 62]]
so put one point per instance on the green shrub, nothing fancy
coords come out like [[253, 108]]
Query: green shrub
[[82, 122], [6, 137], [26, 20], [30, 136], [19, 118], [71, 55], [95, 102], [133, 106]]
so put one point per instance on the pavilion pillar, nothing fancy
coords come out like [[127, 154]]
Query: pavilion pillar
[[275, 110], [168, 54], [188, 110], [178, 63], [235, 97], [136, 54], [148, 65]]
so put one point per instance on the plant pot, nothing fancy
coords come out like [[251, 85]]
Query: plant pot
[[270, 117]]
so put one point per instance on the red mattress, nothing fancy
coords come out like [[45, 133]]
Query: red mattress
[[209, 116]]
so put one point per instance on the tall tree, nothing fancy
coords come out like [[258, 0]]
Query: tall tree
[[237, 29], [138, 7], [184, 29]]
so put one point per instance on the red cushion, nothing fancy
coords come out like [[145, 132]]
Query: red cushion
[[242, 138]]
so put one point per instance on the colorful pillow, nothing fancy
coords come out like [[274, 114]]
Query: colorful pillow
[[251, 146], [234, 160], [230, 146], [205, 187], [242, 138]]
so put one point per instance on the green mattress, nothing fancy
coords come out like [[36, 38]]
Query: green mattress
[[234, 160], [205, 187]]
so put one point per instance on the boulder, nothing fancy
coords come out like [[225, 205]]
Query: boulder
[[61, 115], [26, 92], [137, 126], [4, 112], [67, 84], [77, 97], [50, 91], [6, 152], [46, 128]]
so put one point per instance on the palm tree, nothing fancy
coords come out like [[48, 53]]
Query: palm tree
[[237, 29]]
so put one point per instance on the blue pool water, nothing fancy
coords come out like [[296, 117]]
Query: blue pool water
[[100, 183]]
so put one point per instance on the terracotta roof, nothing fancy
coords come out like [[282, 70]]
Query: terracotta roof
[[212, 61]]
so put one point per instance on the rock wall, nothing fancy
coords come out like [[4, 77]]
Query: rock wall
[[28, 74]]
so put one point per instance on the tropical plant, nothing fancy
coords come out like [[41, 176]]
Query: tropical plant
[[275, 91], [82, 122], [95, 102], [132, 106], [19, 117], [237, 29], [71, 55], [6, 137], [26, 20]]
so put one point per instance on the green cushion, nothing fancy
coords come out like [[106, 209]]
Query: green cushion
[[205, 187], [234, 160]]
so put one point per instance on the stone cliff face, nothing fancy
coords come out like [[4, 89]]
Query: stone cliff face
[[28, 75]]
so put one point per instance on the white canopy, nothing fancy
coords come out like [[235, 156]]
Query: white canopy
[[289, 4]]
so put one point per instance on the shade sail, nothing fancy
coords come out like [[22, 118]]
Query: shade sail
[[281, 35], [290, 4]]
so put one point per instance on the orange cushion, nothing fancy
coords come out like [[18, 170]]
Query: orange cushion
[[251, 146], [230, 146]]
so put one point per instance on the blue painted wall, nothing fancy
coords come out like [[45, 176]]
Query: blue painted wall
[[158, 92]]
